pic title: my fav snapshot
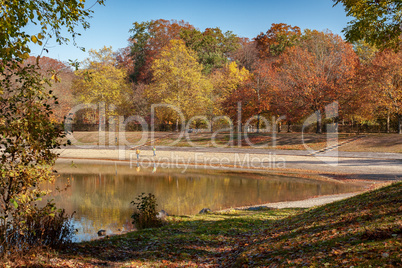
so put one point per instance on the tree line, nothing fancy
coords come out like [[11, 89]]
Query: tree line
[[281, 72]]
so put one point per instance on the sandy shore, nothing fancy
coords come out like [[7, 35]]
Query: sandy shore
[[306, 203], [361, 167]]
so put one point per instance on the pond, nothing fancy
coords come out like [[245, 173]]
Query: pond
[[100, 195]]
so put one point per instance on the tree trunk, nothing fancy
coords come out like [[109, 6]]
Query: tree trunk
[[289, 124], [100, 121], [258, 123], [388, 120], [239, 134], [319, 127], [177, 125], [399, 123]]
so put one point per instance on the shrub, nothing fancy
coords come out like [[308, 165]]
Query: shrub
[[45, 226], [145, 215]]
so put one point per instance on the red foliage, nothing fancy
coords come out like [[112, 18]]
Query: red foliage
[[315, 74]]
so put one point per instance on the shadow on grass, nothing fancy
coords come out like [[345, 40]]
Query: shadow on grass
[[212, 238], [362, 230]]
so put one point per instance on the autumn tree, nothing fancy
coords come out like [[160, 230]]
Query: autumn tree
[[124, 60], [360, 106], [226, 82], [212, 46], [383, 78], [228, 79], [317, 72], [247, 54], [243, 98], [252, 92], [27, 133], [61, 89], [100, 81], [261, 88], [279, 37], [377, 22], [146, 41], [285, 101], [178, 81]]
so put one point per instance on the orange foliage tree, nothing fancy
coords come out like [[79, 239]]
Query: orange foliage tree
[[316, 73], [253, 94], [383, 79]]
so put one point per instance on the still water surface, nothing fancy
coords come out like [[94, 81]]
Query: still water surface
[[100, 195]]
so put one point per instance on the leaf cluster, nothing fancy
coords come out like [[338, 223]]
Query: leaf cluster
[[378, 22], [51, 16]]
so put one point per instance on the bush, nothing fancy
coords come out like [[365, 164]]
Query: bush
[[38, 227], [145, 215]]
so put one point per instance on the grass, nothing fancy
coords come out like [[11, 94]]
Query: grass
[[362, 231]]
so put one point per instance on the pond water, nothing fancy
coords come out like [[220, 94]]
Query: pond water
[[100, 195]]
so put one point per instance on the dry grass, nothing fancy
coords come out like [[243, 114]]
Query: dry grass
[[281, 141], [381, 143], [391, 143]]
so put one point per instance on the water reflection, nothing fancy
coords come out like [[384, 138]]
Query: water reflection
[[101, 194]]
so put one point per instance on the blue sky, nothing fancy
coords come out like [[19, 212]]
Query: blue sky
[[111, 23]]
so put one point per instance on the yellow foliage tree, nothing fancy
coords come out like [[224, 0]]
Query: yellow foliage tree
[[178, 81], [225, 82], [101, 81]]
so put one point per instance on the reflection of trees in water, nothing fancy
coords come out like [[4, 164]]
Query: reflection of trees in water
[[104, 200]]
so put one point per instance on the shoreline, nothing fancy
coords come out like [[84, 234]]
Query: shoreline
[[303, 203]]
